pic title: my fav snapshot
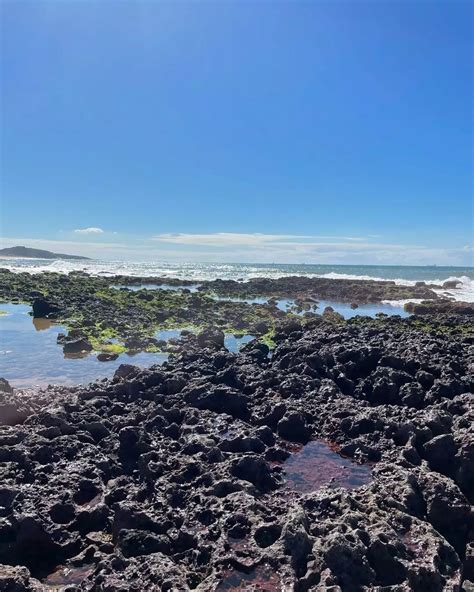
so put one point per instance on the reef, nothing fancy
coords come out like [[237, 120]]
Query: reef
[[105, 315], [343, 460]]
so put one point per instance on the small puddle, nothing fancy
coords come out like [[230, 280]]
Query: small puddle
[[317, 465], [246, 300], [262, 579], [234, 342], [67, 576], [167, 334]]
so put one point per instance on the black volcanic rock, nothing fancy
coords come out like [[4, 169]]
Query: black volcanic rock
[[44, 308], [5, 386], [179, 477]]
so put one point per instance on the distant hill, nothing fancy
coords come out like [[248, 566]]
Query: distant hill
[[35, 253]]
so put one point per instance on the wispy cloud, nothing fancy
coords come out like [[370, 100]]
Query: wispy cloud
[[229, 239], [90, 230], [251, 248]]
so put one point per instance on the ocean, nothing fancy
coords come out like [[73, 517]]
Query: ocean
[[401, 274]]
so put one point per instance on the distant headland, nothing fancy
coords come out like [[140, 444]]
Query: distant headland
[[35, 253]]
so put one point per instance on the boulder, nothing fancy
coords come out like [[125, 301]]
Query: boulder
[[440, 452], [107, 356], [451, 284], [76, 346], [44, 308], [293, 427], [209, 337], [254, 469]]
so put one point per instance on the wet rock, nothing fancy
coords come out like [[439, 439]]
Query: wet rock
[[42, 307], [107, 356], [468, 567], [293, 427], [450, 284], [256, 470], [125, 370], [75, 346]]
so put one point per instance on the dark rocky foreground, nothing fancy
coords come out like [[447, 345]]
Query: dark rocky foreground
[[176, 477]]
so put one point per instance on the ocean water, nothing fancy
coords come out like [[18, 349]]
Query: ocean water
[[401, 274]]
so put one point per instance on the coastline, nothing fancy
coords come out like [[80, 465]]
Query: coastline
[[320, 437]]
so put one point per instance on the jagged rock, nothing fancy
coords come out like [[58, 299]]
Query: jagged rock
[[293, 427], [211, 338], [14, 578], [256, 470], [5, 386], [182, 476]]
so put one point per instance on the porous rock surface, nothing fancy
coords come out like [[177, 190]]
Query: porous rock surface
[[172, 478]]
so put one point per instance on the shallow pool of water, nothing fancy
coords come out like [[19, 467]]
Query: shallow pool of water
[[67, 576], [232, 342], [344, 308], [167, 334], [262, 579], [30, 356], [256, 300], [316, 465], [136, 287]]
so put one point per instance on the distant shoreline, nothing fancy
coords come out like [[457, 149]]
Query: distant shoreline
[[21, 252]]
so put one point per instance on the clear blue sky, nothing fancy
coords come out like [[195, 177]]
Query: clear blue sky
[[323, 122]]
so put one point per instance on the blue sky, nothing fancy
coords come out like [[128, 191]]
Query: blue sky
[[328, 132]]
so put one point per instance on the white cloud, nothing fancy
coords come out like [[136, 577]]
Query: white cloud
[[90, 230]]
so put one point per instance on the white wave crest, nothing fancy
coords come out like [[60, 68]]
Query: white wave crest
[[204, 272]]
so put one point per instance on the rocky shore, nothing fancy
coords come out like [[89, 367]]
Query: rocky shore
[[105, 315], [341, 461]]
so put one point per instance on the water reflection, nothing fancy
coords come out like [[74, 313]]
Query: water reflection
[[345, 308], [41, 324], [316, 465], [232, 342]]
